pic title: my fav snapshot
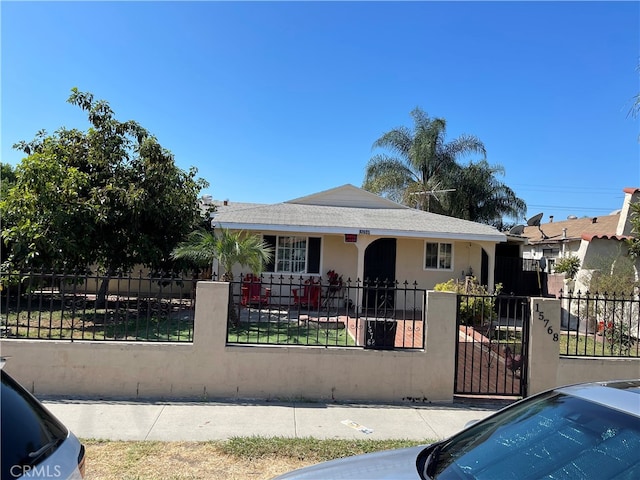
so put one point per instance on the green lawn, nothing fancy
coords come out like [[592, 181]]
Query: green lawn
[[289, 333], [595, 345], [100, 324], [583, 345], [315, 449]]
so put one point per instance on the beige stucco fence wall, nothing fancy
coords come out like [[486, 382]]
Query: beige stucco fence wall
[[208, 368]]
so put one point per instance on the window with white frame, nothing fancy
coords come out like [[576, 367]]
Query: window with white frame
[[293, 254], [438, 256]]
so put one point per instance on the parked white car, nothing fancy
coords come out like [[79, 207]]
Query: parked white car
[[586, 431], [35, 444]]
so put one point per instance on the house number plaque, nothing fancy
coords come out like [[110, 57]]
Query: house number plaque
[[549, 328]]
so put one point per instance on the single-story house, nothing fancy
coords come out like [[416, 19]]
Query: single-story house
[[365, 237], [588, 238]]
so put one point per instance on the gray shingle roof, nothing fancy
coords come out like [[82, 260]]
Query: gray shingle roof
[[398, 222], [575, 229]]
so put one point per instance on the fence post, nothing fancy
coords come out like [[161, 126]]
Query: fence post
[[210, 324], [441, 337], [544, 347]]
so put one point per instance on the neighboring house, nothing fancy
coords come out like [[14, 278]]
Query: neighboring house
[[588, 238], [364, 236]]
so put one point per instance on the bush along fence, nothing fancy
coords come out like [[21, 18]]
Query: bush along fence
[[600, 325], [96, 306], [331, 312]]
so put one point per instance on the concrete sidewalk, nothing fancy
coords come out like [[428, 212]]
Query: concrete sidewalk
[[201, 421]]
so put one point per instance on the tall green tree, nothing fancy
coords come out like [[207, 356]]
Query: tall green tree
[[419, 161], [479, 196], [46, 220], [229, 248], [7, 178], [111, 196]]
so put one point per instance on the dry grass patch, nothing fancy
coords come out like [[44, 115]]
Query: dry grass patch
[[177, 461], [235, 459]]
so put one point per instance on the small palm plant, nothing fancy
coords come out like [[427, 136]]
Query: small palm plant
[[229, 248]]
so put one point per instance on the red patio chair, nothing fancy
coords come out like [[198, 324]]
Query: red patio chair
[[252, 292], [310, 296]]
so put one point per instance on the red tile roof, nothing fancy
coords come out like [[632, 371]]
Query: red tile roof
[[589, 237]]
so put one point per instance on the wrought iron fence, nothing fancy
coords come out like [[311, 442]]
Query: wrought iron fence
[[310, 311], [95, 306], [600, 325], [491, 352]]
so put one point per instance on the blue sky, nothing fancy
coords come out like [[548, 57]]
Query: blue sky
[[276, 100]]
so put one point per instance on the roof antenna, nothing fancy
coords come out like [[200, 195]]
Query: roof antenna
[[432, 193], [535, 222]]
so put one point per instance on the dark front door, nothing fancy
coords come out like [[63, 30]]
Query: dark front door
[[484, 268], [380, 274]]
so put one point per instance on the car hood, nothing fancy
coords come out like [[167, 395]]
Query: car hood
[[397, 464]]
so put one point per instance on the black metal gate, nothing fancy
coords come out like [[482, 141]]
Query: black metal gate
[[492, 345]]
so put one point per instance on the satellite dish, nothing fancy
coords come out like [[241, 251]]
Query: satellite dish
[[535, 220], [517, 230]]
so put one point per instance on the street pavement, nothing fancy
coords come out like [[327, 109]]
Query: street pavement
[[201, 421]]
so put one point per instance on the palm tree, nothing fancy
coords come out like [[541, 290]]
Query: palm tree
[[229, 248], [480, 197], [420, 162]]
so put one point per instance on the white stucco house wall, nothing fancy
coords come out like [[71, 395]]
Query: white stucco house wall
[[362, 236]]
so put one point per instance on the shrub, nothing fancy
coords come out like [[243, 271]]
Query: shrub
[[568, 265], [478, 304]]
